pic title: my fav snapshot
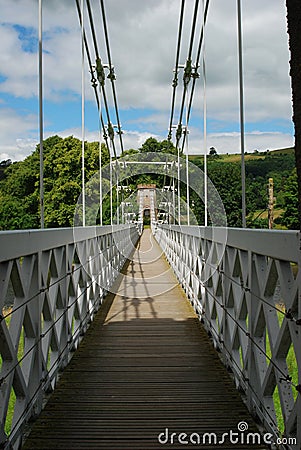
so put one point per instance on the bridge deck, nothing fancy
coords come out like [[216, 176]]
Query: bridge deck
[[144, 366]]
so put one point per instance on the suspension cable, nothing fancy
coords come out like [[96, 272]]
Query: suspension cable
[[93, 80], [185, 92], [111, 75], [108, 132], [179, 186], [187, 169], [187, 71], [101, 124], [92, 28], [205, 120], [83, 113], [195, 74], [242, 120], [100, 167], [112, 78], [175, 79], [41, 120], [195, 14]]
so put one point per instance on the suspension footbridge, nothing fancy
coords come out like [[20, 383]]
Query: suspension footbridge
[[145, 366], [177, 334]]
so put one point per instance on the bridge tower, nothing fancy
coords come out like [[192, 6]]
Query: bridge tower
[[147, 202]]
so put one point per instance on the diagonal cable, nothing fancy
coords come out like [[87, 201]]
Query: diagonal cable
[[187, 72], [93, 79], [175, 79], [111, 75], [195, 75]]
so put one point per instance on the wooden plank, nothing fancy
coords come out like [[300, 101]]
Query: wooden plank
[[145, 365]]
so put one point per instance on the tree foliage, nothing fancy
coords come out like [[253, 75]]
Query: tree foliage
[[151, 145], [290, 217], [19, 184], [293, 28], [19, 189], [227, 180]]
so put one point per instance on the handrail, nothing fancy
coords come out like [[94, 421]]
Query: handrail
[[51, 285], [245, 286]]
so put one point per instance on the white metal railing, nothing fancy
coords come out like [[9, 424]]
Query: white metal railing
[[52, 282], [245, 287]]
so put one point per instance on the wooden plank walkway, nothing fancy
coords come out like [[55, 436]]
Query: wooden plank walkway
[[144, 366]]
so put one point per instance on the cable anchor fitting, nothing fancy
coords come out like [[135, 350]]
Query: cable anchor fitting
[[175, 81], [93, 79], [185, 131], [100, 73], [179, 132], [111, 75], [289, 314], [187, 72], [195, 75], [287, 379], [110, 131]]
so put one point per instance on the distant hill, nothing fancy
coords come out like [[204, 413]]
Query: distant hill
[[236, 157], [279, 164]]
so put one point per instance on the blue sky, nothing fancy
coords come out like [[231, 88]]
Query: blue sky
[[143, 41]]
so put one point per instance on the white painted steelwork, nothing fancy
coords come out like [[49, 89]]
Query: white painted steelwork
[[52, 282], [245, 287]]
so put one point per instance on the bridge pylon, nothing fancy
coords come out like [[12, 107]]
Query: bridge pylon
[[147, 201]]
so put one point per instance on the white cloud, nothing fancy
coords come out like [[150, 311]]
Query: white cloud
[[19, 148], [131, 139], [134, 139], [230, 142], [17, 138], [223, 142], [17, 67], [143, 42]]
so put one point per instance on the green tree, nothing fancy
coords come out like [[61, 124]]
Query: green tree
[[151, 145], [290, 216], [212, 151], [293, 26], [3, 166], [168, 147], [227, 181], [19, 199], [19, 190]]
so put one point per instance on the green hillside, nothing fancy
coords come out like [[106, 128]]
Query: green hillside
[[224, 171], [256, 155]]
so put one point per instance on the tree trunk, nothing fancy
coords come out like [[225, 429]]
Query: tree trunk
[[294, 32]]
